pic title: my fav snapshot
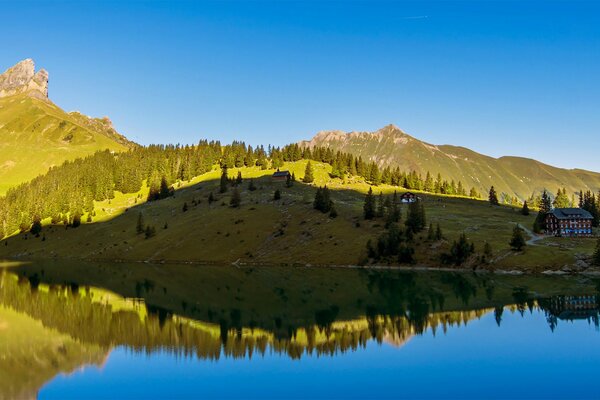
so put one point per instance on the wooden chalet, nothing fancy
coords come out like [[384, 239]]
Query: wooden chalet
[[280, 175], [408, 197]]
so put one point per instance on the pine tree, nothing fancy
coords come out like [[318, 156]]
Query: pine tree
[[380, 211], [165, 190], [438, 233], [493, 197], [185, 207], [517, 241], [369, 206], [525, 209], [239, 180], [139, 228], [545, 207], [308, 173], [251, 186], [474, 193], [288, 181], [487, 252], [277, 195], [150, 232], [36, 226], [562, 199], [211, 198], [224, 180], [235, 198]]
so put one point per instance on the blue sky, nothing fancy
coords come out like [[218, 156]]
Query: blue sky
[[503, 78]]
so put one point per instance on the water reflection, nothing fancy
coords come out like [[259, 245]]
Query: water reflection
[[80, 312]]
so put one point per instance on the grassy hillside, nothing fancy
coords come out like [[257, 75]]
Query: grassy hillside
[[35, 135], [287, 231], [518, 176]]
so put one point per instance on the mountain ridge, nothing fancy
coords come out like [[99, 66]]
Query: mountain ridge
[[511, 175], [36, 134]]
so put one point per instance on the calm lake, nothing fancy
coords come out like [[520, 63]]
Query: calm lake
[[178, 331]]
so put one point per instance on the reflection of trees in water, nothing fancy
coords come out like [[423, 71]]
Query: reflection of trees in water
[[89, 316]]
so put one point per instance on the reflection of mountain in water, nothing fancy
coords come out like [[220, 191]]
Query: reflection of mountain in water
[[216, 312]]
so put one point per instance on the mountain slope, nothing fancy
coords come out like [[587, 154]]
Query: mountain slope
[[35, 134], [518, 176]]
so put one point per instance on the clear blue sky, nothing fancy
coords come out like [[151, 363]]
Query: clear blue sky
[[503, 78]]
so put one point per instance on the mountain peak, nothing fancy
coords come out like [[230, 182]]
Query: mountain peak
[[22, 78]]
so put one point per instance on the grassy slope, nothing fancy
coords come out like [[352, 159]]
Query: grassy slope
[[286, 231], [510, 175], [36, 135]]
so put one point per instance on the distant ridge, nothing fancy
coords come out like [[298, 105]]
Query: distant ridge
[[35, 134], [514, 176]]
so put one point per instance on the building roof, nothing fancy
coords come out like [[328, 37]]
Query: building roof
[[281, 174], [568, 213]]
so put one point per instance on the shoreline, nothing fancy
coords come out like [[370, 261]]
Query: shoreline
[[590, 271]]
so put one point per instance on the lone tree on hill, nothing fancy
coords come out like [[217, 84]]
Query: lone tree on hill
[[493, 197], [518, 241], [308, 173], [36, 226], [369, 206], [596, 258], [235, 198], [224, 180], [525, 209], [323, 201], [139, 228], [539, 225]]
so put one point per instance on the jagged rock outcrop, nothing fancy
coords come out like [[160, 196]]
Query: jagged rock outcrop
[[22, 78]]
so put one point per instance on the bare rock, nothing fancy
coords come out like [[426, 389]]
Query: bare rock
[[22, 78]]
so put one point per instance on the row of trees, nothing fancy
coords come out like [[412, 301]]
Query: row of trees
[[347, 164]]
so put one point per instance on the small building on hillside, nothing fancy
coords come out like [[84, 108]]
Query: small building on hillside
[[280, 175], [408, 197], [570, 222]]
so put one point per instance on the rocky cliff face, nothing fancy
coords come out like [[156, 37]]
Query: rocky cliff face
[[22, 78]]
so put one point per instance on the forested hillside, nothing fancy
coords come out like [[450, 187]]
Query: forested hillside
[[512, 176]]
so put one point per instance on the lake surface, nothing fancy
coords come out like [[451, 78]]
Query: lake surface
[[145, 331]]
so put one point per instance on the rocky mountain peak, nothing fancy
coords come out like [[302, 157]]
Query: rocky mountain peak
[[22, 78]]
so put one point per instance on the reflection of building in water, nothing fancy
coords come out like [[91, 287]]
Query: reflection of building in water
[[570, 308]]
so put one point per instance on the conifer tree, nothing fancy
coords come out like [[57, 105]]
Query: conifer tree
[[438, 233], [251, 186], [474, 193], [369, 206], [235, 198], [493, 197], [525, 209], [517, 241], [139, 228], [150, 232], [224, 180], [277, 195], [487, 252], [380, 211], [239, 180], [36, 226], [185, 207], [211, 198], [288, 181], [308, 173], [562, 199]]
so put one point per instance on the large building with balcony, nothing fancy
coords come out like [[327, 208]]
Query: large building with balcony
[[571, 222]]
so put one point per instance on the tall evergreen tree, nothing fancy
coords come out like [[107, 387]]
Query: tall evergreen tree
[[525, 209], [517, 242], [139, 228], [493, 197], [235, 198], [308, 174], [224, 182], [596, 257], [369, 206]]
